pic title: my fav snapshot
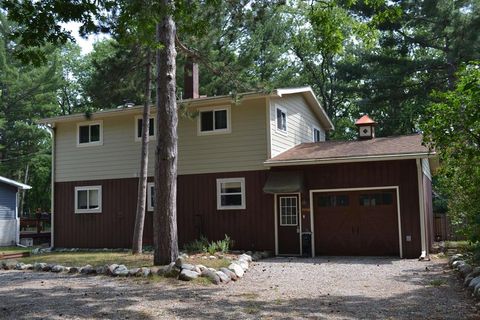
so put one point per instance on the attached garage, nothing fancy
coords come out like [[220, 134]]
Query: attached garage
[[356, 222], [368, 197]]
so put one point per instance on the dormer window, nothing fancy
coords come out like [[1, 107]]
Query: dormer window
[[366, 127], [281, 120], [214, 120], [317, 134]]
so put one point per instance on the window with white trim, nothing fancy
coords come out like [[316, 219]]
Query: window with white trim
[[150, 196], [231, 193], [215, 120], [88, 199], [317, 134], [139, 126], [281, 116], [288, 211], [89, 133]]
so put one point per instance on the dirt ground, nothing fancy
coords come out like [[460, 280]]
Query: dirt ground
[[287, 288]]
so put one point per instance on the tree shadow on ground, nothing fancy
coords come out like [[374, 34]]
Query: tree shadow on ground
[[31, 295], [347, 260]]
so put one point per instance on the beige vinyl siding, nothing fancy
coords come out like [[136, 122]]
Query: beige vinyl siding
[[300, 123], [245, 148]]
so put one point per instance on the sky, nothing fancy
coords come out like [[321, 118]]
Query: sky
[[85, 44]]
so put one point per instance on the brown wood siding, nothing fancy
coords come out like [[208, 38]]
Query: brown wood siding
[[401, 173], [251, 228], [112, 228]]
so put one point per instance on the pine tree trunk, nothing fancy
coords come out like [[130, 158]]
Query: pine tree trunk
[[165, 213], [137, 244]]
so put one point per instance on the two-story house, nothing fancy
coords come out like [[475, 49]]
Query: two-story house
[[258, 170]]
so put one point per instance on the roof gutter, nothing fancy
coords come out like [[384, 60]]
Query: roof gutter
[[387, 157]]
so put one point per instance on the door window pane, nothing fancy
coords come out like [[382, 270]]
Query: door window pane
[[288, 211]]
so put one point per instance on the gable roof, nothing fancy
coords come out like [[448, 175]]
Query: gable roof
[[390, 148], [14, 183], [306, 92]]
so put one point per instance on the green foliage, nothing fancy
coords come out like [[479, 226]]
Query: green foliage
[[196, 245], [453, 129], [211, 247]]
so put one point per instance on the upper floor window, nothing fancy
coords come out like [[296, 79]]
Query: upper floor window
[[89, 133], [88, 199], [231, 193], [214, 121], [139, 126], [317, 135], [281, 119]]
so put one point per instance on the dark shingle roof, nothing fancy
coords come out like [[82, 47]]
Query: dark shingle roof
[[331, 150]]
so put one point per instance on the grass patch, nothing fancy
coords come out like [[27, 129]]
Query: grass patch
[[209, 263], [437, 282], [13, 250], [81, 258], [77, 259]]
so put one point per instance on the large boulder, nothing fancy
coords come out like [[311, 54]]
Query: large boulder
[[88, 269], [73, 270], [211, 275], [237, 269], [145, 272], [111, 268], [464, 269], [120, 271], [246, 257], [229, 273], [188, 275], [473, 283], [243, 264], [457, 263], [58, 268], [223, 277], [134, 272], [454, 258], [38, 266], [475, 273], [172, 271]]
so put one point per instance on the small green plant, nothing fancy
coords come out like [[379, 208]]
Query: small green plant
[[225, 244], [197, 245], [212, 247], [203, 245]]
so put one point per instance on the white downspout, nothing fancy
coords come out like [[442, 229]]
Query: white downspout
[[51, 130], [421, 203]]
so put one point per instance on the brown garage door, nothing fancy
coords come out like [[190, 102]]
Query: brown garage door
[[356, 223]]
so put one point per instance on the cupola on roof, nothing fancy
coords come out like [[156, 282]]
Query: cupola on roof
[[364, 120]]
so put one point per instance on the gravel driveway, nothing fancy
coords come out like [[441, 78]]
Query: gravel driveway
[[319, 288]]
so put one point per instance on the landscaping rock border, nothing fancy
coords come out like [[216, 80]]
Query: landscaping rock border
[[470, 275], [178, 269]]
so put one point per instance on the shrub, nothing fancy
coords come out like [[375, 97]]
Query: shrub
[[203, 245], [197, 245]]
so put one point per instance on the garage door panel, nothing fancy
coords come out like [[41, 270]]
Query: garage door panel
[[356, 223]]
